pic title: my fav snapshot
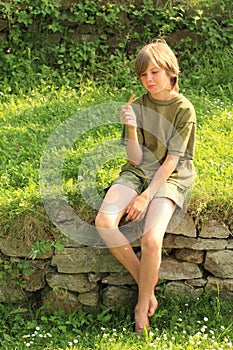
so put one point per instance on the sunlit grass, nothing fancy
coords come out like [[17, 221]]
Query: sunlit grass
[[27, 122], [203, 323]]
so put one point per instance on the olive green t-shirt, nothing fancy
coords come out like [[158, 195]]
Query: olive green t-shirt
[[165, 127]]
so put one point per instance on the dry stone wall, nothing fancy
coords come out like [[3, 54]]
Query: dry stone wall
[[85, 277]]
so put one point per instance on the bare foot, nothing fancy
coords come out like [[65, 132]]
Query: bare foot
[[152, 306], [141, 321]]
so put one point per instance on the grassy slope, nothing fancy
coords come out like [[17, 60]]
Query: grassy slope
[[26, 124]]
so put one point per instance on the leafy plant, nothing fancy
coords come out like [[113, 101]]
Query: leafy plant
[[41, 247], [49, 43], [15, 270], [202, 324]]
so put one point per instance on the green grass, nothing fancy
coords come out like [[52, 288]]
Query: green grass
[[203, 323], [27, 122], [213, 193]]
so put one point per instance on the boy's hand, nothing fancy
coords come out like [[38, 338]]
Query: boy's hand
[[128, 116], [138, 207]]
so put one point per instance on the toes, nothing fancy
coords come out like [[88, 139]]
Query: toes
[[141, 322], [152, 307], [140, 330]]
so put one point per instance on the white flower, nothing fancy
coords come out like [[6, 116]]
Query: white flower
[[206, 319]]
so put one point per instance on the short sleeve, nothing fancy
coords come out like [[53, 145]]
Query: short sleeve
[[182, 141]]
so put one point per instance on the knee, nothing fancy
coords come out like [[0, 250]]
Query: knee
[[99, 220], [103, 220], [151, 245]]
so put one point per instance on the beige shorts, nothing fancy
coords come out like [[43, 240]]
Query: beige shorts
[[169, 190]]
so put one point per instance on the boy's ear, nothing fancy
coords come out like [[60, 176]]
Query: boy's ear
[[173, 81]]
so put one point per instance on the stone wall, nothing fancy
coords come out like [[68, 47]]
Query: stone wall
[[84, 277], [15, 31]]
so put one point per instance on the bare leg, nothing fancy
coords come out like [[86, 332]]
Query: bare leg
[[107, 221], [145, 272], [158, 216]]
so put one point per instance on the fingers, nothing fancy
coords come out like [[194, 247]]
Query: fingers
[[128, 116], [135, 215]]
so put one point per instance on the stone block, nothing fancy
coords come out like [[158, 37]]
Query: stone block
[[220, 263], [214, 229], [190, 255], [95, 277], [219, 284], [19, 248], [85, 260], [36, 280], [119, 279], [180, 288], [72, 282], [186, 227], [229, 244], [197, 282], [173, 241], [89, 298], [10, 292], [117, 296], [172, 269], [59, 300]]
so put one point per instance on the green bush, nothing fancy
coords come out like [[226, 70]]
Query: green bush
[[45, 44]]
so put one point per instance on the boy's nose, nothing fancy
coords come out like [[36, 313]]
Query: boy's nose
[[149, 77]]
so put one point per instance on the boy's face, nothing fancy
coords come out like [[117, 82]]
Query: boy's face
[[156, 81]]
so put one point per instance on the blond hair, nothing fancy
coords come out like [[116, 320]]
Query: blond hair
[[162, 57]]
